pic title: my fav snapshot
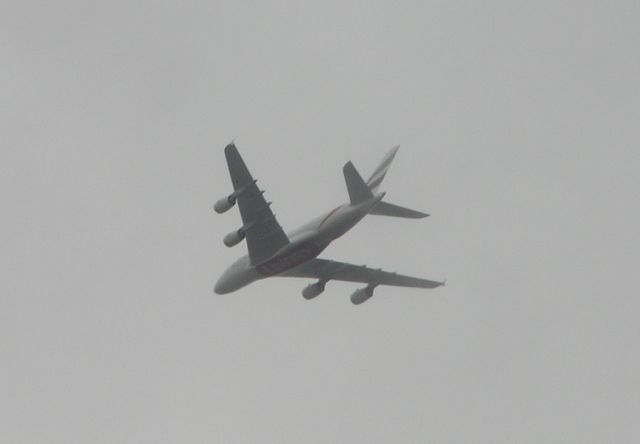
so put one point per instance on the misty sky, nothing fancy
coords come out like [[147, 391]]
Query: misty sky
[[519, 134]]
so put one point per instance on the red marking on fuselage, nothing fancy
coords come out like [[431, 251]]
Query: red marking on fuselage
[[290, 259], [299, 255], [329, 215]]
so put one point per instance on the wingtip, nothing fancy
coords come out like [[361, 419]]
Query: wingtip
[[392, 153], [418, 215], [348, 165], [231, 150]]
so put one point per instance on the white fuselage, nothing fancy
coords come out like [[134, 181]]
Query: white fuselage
[[306, 243]]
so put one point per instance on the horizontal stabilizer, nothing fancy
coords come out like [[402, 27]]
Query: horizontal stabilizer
[[387, 209]]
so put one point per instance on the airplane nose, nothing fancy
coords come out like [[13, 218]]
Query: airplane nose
[[226, 282], [219, 288], [232, 279]]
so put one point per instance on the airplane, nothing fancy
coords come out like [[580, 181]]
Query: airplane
[[274, 253]]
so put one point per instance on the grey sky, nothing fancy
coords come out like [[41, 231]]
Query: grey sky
[[518, 125]]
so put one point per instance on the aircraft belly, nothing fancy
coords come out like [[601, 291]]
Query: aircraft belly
[[290, 258]]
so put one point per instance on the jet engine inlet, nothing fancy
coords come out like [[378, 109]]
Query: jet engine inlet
[[234, 238], [224, 204], [313, 290], [362, 295]]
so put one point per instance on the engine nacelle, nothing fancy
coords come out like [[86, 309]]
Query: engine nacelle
[[224, 204], [313, 290], [234, 238], [362, 295]]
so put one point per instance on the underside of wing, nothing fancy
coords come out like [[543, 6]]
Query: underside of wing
[[326, 270], [263, 233]]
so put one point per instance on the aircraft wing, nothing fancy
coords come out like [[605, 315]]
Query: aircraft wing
[[340, 271], [264, 234]]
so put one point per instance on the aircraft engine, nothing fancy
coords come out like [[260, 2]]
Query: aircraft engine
[[224, 204], [362, 295], [313, 290], [234, 238]]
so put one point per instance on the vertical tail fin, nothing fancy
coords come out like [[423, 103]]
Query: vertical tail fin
[[378, 175], [385, 208], [358, 189]]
